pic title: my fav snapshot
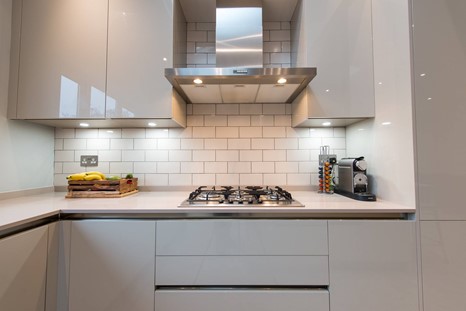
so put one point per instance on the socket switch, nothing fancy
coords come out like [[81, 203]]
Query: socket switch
[[89, 160]]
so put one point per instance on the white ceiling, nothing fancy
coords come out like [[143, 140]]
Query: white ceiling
[[204, 10]]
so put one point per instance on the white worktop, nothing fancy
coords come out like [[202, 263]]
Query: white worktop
[[25, 209]]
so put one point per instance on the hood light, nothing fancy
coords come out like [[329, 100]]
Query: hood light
[[281, 81], [326, 123], [84, 124], [152, 124], [197, 81]]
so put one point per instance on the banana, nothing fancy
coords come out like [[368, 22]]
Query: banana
[[93, 177], [79, 176], [102, 176]]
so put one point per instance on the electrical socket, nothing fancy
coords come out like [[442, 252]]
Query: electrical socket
[[89, 160]]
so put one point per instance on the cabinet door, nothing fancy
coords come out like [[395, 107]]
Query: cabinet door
[[443, 265], [23, 265], [62, 59], [373, 266], [112, 265], [338, 42], [140, 47]]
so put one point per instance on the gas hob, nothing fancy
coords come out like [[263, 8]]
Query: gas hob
[[249, 196]]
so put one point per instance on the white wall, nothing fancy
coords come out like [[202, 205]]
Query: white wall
[[26, 150], [389, 148]]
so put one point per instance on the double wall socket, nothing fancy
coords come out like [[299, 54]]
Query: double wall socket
[[89, 160]]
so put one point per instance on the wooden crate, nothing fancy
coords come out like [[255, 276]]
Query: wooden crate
[[102, 188]]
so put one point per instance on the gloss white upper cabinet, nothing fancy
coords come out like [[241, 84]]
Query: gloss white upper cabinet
[[62, 59], [335, 36], [140, 46]]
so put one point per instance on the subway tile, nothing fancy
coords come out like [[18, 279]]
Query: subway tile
[[145, 167], [157, 155], [211, 59], [250, 179], [271, 25], [196, 59], [262, 143], [133, 133], [250, 155], [64, 156], [216, 144], [274, 109], [196, 36], [227, 179], [321, 132], [180, 133], [156, 179], [282, 120], [262, 120], [60, 180], [201, 109], [335, 143], [266, 59], [98, 143], [309, 167], [270, 47], [110, 155], [310, 143], [145, 144], [250, 132], [87, 133], [156, 133], [58, 168], [286, 143], [266, 35], [279, 35], [297, 132], [169, 143], [180, 179], [74, 144], [216, 167], [340, 153], [286, 167], [227, 155], [280, 58], [288, 107], [121, 167], [211, 36], [299, 179], [191, 47], [286, 47], [298, 155], [275, 179], [204, 132], [191, 144], [195, 121], [314, 155], [227, 109], [203, 155], [263, 167], [275, 132], [180, 155], [339, 132], [109, 133], [168, 167], [192, 167], [226, 132], [205, 47], [190, 26], [141, 179], [72, 168], [215, 120], [314, 179], [204, 179], [250, 109], [133, 155], [205, 26], [274, 155], [79, 153], [241, 143], [239, 121], [239, 167], [58, 144], [285, 25], [64, 133], [189, 108]]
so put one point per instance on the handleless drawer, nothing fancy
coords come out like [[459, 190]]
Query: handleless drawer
[[241, 271], [233, 300], [241, 237]]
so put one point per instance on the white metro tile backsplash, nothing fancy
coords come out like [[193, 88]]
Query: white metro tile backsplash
[[222, 145]]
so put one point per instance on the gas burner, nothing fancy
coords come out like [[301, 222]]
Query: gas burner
[[249, 196]]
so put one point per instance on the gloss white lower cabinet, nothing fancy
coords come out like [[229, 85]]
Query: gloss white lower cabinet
[[23, 270], [112, 265], [373, 265]]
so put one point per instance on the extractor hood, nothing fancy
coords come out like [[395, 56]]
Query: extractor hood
[[239, 76]]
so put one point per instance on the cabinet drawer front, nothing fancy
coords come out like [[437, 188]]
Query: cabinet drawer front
[[233, 300], [242, 237], [241, 270]]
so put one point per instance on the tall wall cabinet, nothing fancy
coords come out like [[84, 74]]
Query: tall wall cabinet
[[94, 60]]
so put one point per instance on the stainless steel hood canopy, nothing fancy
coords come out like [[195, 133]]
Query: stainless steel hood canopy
[[240, 78]]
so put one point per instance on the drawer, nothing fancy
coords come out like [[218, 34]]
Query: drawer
[[234, 300], [242, 237], [241, 270]]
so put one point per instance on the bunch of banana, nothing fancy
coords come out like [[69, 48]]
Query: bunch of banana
[[87, 176]]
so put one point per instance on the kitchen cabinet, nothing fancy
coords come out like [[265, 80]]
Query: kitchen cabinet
[[112, 265], [373, 265], [23, 270], [335, 36], [141, 44], [443, 269]]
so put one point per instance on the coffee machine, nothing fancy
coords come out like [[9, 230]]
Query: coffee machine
[[352, 180]]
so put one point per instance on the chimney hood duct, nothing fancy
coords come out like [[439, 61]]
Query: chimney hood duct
[[239, 76]]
